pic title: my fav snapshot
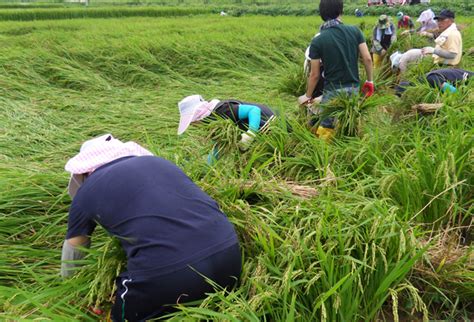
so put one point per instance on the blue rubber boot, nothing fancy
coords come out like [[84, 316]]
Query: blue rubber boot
[[447, 87]]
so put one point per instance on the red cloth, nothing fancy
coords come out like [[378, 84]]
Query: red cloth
[[404, 22]]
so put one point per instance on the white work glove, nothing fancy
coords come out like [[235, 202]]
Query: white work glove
[[303, 99], [427, 50], [245, 140]]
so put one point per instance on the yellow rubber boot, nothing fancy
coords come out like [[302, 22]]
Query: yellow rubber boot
[[108, 316], [314, 130], [377, 60], [325, 133]]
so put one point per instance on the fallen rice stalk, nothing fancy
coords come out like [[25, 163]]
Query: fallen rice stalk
[[448, 260], [426, 107], [299, 190]]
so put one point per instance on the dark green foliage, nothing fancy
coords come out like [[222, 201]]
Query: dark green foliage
[[109, 12]]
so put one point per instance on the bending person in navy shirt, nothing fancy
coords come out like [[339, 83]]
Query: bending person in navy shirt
[[447, 80], [249, 117], [173, 233]]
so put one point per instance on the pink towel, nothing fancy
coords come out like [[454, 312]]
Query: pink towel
[[102, 150], [95, 153]]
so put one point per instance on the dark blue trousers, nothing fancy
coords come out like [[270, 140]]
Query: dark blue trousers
[[141, 298]]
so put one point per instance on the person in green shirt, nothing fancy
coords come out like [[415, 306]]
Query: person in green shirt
[[338, 47]]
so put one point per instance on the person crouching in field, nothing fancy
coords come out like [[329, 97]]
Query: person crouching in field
[[428, 25], [249, 117], [383, 36], [173, 233], [400, 61], [404, 21], [338, 47], [447, 80], [448, 49]]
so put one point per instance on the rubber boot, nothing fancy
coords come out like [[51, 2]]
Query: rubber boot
[[447, 87], [325, 133], [314, 130], [377, 60]]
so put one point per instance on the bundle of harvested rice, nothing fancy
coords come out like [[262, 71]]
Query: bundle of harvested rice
[[426, 107], [225, 134], [296, 189], [449, 260]]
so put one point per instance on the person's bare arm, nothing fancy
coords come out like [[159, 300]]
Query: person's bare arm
[[313, 77], [79, 241], [367, 60]]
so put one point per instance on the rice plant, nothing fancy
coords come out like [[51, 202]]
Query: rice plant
[[373, 226]]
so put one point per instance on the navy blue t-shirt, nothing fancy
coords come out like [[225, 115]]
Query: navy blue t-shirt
[[163, 220]]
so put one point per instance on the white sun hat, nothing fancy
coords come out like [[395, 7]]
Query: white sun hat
[[395, 59], [426, 16], [193, 108], [95, 153]]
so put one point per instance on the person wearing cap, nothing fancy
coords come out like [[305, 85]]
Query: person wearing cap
[[404, 21], [338, 47], [383, 36], [174, 235], [448, 49], [249, 117], [400, 61]]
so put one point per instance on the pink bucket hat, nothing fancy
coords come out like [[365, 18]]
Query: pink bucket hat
[[95, 153], [193, 108]]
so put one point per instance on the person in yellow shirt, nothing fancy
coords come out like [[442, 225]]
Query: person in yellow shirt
[[448, 49]]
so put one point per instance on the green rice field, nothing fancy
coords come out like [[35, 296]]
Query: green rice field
[[376, 225]]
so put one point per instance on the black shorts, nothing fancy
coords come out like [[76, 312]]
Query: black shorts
[[140, 298]]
